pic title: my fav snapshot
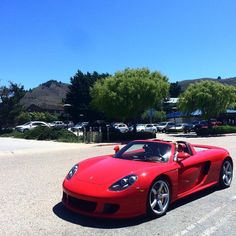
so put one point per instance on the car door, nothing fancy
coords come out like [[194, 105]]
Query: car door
[[149, 128], [190, 173]]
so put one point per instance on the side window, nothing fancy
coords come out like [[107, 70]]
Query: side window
[[184, 147], [37, 123]]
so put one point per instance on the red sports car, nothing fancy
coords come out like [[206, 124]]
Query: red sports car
[[144, 177]]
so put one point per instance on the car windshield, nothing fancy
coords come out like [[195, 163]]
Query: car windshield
[[145, 151], [162, 123], [140, 125], [178, 125], [28, 123], [79, 124]]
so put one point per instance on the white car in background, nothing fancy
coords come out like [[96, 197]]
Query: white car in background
[[31, 125], [176, 128], [123, 128], [58, 124], [79, 127], [146, 128], [164, 126]]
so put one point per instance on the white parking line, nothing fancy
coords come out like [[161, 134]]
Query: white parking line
[[201, 221], [233, 198], [214, 228]]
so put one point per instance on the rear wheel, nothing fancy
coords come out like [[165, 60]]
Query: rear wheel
[[158, 198], [226, 173]]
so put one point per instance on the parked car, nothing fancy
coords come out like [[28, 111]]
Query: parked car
[[57, 124], [176, 128], [164, 126], [146, 128], [79, 126], [123, 128], [194, 123], [69, 124], [214, 122], [131, 128], [112, 186], [187, 127], [97, 126], [184, 127], [31, 125], [203, 124]]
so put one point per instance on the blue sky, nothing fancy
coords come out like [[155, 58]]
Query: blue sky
[[51, 39]]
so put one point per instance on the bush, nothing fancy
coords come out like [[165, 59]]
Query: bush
[[45, 133], [224, 129], [14, 134]]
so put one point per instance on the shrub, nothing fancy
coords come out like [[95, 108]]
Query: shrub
[[45, 133], [14, 134], [66, 136]]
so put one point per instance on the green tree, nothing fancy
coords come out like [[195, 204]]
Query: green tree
[[127, 94], [175, 89], [79, 95], [211, 98], [24, 117], [154, 116], [10, 106]]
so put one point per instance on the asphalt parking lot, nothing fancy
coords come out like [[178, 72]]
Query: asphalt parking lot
[[32, 173]]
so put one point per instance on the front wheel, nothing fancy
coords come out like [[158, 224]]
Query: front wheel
[[158, 198], [226, 173]]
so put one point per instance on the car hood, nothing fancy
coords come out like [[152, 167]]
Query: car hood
[[22, 126], [109, 170]]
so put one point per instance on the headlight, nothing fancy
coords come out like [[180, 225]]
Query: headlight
[[72, 172], [123, 183]]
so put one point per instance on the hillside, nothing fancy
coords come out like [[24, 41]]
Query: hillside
[[228, 81], [47, 96]]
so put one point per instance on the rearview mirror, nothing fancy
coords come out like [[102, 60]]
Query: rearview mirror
[[182, 155], [116, 149]]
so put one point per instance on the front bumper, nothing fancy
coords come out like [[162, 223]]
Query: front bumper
[[124, 204]]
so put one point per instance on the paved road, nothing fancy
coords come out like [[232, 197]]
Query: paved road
[[30, 192]]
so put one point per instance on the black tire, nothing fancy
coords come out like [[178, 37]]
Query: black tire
[[158, 198], [226, 173]]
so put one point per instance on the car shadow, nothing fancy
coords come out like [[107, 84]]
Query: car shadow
[[183, 135], [193, 197], [62, 212], [194, 135]]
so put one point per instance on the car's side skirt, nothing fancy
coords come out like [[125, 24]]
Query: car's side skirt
[[196, 189]]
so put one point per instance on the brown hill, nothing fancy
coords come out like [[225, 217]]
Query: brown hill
[[46, 97], [228, 81]]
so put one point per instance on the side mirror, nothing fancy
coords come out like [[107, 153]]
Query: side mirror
[[182, 155], [116, 149]]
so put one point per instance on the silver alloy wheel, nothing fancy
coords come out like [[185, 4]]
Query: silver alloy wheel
[[159, 197], [227, 173]]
